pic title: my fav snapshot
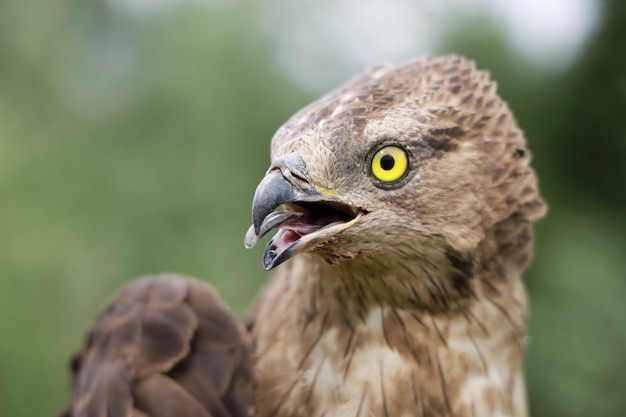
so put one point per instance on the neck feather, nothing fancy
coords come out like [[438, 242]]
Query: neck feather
[[336, 338]]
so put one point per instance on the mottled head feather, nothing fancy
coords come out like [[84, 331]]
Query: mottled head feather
[[470, 167], [422, 310]]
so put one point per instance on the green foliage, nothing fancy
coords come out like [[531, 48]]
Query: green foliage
[[132, 144], [126, 147]]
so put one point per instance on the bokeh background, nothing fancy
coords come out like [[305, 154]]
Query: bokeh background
[[133, 134]]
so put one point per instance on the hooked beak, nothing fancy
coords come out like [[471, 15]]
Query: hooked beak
[[309, 218]]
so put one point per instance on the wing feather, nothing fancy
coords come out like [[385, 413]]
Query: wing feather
[[165, 345]]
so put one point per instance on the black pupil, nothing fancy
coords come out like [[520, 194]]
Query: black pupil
[[387, 162]]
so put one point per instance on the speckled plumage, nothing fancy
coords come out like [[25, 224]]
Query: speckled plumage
[[418, 308], [398, 299]]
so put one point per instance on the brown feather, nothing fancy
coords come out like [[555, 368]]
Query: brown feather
[[418, 307], [164, 346]]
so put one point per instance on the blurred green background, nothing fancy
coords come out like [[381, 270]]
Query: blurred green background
[[133, 134]]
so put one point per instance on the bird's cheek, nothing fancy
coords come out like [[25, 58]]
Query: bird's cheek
[[464, 241]]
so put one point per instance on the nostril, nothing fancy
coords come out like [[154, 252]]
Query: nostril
[[292, 166], [295, 177]]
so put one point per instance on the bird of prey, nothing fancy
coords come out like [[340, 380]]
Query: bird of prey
[[403, 203]]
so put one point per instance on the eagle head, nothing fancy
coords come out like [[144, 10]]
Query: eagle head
[[417, 162]]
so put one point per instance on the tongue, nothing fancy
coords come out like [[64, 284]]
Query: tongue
[[299, 227], [289, 232], [289, 222], [292, 227], [272, 221]]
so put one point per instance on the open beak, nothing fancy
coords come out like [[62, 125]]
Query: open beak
[[308, 218]]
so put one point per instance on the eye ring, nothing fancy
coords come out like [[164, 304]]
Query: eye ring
[[389, 164]]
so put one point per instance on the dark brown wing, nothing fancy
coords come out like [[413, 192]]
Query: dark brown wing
[[165, 346]]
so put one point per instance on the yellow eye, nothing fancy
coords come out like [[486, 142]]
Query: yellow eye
[[390, 164]]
